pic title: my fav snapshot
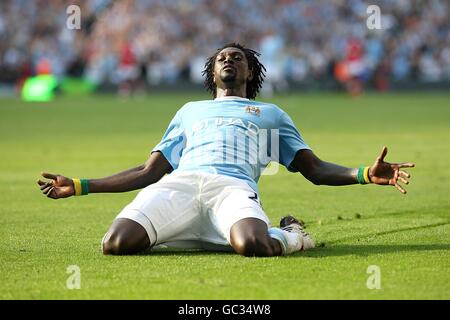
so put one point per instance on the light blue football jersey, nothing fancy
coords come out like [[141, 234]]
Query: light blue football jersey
[[233, 136]]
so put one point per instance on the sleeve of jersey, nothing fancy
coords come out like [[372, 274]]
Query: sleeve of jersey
[[173, 142], [290, 142]]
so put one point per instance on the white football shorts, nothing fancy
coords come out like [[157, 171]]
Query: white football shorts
[[192, 209]]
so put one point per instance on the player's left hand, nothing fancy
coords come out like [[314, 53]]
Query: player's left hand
[[385, 173], [58, 186]]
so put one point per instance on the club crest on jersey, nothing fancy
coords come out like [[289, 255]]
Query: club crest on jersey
[[253, 110]]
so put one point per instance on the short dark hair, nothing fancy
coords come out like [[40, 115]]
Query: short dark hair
[[257, 68]]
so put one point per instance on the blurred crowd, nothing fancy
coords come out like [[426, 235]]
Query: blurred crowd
[[165, 41]]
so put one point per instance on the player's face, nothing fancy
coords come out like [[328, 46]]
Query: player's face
[[231, 68]]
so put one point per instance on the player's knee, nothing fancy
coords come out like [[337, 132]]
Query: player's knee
[[115, 243], [125, 237], [110, 244], [252, 245]]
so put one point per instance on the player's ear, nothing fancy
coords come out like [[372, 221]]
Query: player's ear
[[250, 75]]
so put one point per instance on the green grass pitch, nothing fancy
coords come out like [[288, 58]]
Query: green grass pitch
[[407, 237]]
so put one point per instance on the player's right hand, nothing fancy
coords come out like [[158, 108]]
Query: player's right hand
[[58, 186]]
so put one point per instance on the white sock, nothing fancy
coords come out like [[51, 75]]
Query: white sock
[[289, 241]]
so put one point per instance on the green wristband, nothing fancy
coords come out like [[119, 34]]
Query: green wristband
[[361, 176], [84, 186]]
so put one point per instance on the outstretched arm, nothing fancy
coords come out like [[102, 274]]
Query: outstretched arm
[[136, 178], [325, 173]]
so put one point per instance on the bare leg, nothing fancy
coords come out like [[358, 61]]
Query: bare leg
[[250, 237], [125, 237]]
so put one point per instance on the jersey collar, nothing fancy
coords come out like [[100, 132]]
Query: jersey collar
[[231, 98]]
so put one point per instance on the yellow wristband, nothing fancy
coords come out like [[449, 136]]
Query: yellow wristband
[[77, 186], [366, 175]]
